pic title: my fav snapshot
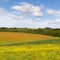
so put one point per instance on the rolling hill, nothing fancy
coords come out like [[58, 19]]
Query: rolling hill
[[14, 37], [24, 46]]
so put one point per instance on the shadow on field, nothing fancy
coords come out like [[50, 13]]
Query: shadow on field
[[52, 41]]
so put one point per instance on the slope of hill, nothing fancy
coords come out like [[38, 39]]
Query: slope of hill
[[14, 37], [33, 46], [22, 37]]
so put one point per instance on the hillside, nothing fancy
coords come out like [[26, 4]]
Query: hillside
[[7, 37], [26, 46]]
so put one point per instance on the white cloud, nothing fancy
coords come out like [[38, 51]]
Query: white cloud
[[53, 12], [9, 19], [13, 20], [28, 15], [2, 11], [28, 9], [55, 23], [50, 11]]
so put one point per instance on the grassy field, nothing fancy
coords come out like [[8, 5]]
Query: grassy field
[[23, 46]]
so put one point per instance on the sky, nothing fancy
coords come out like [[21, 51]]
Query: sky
[[30, 13]]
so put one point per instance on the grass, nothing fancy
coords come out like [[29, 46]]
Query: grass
[[47, 48], [53, 41]]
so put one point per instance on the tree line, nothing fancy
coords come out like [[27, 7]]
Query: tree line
[[43, 31]]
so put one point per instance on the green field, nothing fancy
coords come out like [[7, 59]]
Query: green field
[[47, 49]]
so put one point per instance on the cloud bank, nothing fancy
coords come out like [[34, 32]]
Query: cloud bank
[[28, 15]]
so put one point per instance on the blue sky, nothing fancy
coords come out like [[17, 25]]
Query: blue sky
[[30, 13]]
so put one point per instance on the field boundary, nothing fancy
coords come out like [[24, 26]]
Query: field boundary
[[53, 41]]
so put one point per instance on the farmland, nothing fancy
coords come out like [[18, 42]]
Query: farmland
[[24, 46], [12, 37]]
